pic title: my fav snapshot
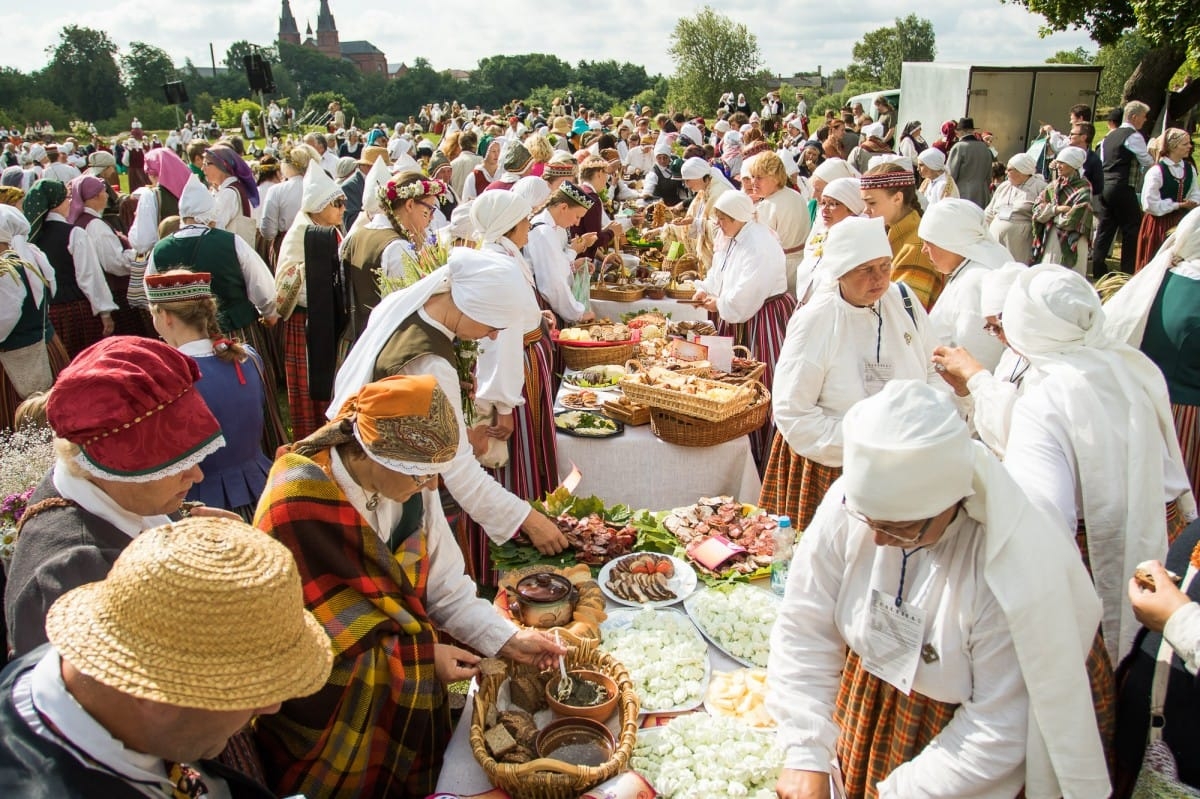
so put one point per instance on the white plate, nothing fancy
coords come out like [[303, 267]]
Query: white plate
[[689, 605], [622, 618], [683, 583], [618, 371], [712, 710]]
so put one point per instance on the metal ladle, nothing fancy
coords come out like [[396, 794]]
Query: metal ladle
[[566, 684]]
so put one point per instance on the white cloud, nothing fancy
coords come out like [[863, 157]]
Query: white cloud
[[793, 37]]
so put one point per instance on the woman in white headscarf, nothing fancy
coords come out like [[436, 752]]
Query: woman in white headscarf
[[1009, 214], [858, 331], [1156, 311], [475, 296], [706, 184], [514, 395], [840, 199], [731, 152], [747, 291], [957, 242], [30, 353], [1062, 216], [1092, 441], [993, 392], [308, 257], [936, 182], [558, 266], [910, 651]]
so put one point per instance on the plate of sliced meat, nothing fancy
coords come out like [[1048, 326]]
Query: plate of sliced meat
[[647, 580]]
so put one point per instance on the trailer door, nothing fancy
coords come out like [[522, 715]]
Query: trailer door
[[1055, 91], [999, 102]]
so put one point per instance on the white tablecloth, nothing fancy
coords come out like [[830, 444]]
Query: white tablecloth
[[639, 470], [609, 309]]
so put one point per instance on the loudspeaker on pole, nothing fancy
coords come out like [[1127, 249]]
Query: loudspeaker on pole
[[175, 92]]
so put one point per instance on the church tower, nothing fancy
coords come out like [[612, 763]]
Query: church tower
[[288, 32], [327, 34]]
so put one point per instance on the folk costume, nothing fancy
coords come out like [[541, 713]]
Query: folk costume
[[991, 688], [749, 282], [909, 264], [785, 211], [957, 226], [384, 577], [1168, 184], [237, 195], [1064, 238], [160, 201], [809, 275], [941, 186], [553, 263], [1009, 214], [835, 355]]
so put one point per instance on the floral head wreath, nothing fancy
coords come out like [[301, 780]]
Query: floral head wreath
[[426, 187]]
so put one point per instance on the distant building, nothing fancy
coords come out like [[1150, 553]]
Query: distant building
[[808, 80], [367, 57]]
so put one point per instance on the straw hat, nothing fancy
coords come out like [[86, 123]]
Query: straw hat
[[205, 613]]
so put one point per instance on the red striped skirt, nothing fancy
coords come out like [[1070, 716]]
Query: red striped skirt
[[763, 335], [76, 325], [1187, 427], [307, 414], [793, 484], [1151, 235]]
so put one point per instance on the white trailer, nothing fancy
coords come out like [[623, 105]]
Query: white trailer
[[1011, 102]]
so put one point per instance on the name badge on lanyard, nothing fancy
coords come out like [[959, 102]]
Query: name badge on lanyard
[[895, 631], [875, 376]]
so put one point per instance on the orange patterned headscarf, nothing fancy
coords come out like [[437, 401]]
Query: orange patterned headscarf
[[405, 423]]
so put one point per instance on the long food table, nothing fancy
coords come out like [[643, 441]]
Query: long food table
[[680, 312]]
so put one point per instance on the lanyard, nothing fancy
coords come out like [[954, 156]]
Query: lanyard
[[877, 310], [905, 555]]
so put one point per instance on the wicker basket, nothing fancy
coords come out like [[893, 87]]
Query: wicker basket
[[552, 779], [683, 294], [634, 415], [754, 373], [580, 358], [689, 431], [616, 292], [682, 265], [687, 404]]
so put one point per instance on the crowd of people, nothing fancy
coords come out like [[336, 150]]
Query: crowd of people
[[976, 452]]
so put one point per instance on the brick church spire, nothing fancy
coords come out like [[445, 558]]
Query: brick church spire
[[288, 32], [327, 33]]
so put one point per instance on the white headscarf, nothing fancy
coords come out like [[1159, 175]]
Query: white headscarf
[[196, 202], [319, 189], [890, 158], [534, 189], [662, 146], [908, 456], [1052, 316], [736, 204], [848, 192], [873, 131], [494, 213], [933, 158], [1072, 156], [833, 168], [852, 243], [958, 226], [1128, 309], [487, 287], [696, 169], [1023, 163], [14, 229], [995, 285]]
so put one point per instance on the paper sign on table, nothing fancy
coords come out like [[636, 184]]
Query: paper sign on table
[[682, 350], [714, 551], [720, 351], [571, 481]]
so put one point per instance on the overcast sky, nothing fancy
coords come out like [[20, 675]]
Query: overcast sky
[[449, 34]]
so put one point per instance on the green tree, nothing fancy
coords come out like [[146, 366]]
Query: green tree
[[511, 77], [1172, 27], [83, 73], [712, 55], [1119, 60], [145, 69], [1077, 56], [316, 106], [240, 49], [14, 86], [315, 72], [228, 113], [880, 54]]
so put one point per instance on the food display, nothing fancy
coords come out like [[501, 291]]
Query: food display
[[587, 424], [697, 327], [740, 694], [743, 528], [594, 540], [595, 377], [626, 410], [702, 755], [580, 400], [588, 611], [666, 656], [647, 579], [737, 619], [596, 334]]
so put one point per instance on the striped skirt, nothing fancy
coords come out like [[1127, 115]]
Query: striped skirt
[[76, 325], [794, 485], [307, 414], [532, 469], [763, 335], [1187, 427], [1151, 235], [882, 728]]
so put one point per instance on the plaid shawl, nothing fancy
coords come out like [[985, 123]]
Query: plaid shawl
[[1071, 227], [380, 725]]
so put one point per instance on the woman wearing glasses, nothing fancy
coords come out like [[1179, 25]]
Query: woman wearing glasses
[[857, 332], [309, 299], [911, 655], [357, 505]]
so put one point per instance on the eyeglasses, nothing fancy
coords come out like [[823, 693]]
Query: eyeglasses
[[902, 534], [422, 480], [338, 202], [428, 208]]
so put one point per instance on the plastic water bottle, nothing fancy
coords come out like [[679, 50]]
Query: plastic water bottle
[[785, 542]]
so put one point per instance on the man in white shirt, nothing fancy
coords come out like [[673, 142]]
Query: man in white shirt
[[143, 681]]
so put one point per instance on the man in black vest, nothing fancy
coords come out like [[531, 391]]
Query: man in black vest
[[1119, 152]]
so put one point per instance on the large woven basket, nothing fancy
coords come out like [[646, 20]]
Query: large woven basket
[[552, 779], [585, 357], [683, 293], [706, 408], [616, 292], [689, 431], [751, 374]]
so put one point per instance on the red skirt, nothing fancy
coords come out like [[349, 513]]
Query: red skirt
[[794, 485], [1151, 235], [76, 325], [1187, 428], [307, 414]]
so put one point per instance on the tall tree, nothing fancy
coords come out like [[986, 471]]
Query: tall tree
[[83, 75], [1172, 27], [881, 53], [712, 55], [145, 69], [240, 49]]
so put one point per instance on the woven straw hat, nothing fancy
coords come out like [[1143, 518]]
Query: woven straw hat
[[205, 613]]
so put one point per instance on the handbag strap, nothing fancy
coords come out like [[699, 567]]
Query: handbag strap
[[1162, 673]]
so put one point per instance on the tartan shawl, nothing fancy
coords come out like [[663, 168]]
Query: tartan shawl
[[378, 718], [1075, 225]]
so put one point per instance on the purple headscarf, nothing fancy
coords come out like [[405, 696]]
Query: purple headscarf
[[232, 164], [82, 189], [169, 168]]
